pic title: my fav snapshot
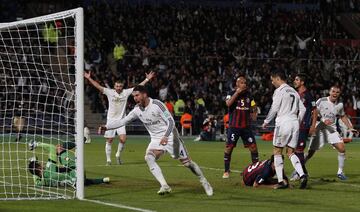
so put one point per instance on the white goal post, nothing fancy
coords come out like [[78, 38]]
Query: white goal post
[[42, 107]]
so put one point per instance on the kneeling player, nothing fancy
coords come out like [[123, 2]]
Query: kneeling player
[[261, 174]]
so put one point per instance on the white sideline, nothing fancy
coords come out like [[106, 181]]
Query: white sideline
[[117, 205]]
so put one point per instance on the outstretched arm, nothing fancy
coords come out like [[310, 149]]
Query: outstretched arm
[[116, 123], [87, 75], [149, 76]]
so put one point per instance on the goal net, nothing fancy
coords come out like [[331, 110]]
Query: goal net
[[41, 107]]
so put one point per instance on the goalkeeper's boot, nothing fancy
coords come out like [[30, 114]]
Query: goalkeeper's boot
[[207, 187], [164, 190], [106, 179], [32, 144], [342, 176], [303, 181]]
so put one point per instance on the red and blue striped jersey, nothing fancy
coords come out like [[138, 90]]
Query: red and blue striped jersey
[[259, 172], [309, 104], [239, 111]]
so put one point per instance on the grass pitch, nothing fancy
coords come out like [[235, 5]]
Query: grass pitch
[[133, 188]]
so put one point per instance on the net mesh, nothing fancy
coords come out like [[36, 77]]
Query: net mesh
[[37, 105]]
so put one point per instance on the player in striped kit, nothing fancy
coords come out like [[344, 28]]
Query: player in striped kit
[[117, 99], [242, 109], [289, 112], [309, 103], [164, 137]]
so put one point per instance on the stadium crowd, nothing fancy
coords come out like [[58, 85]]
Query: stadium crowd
[[197, 51]]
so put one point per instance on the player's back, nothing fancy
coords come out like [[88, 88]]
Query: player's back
[[252, 171], [289, 103]]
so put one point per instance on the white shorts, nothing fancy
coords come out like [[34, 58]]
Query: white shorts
[[112, 133], [286, 134], [324, 136], [175, 147]]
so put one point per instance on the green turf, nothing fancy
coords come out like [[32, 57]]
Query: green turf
[[133, 185]]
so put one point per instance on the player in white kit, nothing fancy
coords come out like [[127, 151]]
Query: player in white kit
[[324, 130], [289, 111], [117, 99], [164, 137]]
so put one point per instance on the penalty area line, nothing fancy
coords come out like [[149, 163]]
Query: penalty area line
[[118, 205]]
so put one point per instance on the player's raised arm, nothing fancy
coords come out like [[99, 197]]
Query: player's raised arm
[[116, 123], [149, 76], [231, 99], [87, 75]]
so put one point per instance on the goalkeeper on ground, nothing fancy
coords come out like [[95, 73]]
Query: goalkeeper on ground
[[53, 175]]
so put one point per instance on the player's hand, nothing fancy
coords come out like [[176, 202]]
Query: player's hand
[[150, 75], [87, 75], [101, 129], [264, 125], [164, 141]]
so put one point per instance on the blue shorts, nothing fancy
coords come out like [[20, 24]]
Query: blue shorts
[[303, 137], [246, 134]]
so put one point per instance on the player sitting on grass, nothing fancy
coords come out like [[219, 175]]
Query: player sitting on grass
[[261, 173], [53, 175]]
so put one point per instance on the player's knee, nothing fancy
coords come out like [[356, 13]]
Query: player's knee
[[186, 162], [252, 148], [150, 156], [229, 148]]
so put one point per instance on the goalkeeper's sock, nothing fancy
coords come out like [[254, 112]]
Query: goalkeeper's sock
[[297, 164], [108, 151], [279, 167], [227, 160], [341, 160], [155, 169]]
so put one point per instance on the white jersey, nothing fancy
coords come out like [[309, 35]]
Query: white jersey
[[117, 102], [155, 117], [329, 110], [286, 105]]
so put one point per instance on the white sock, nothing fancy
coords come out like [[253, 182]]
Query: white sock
[[108, 151], [279, 167], [297, 164], [341, 160], [120, 149], [155, 169], [195, 169]]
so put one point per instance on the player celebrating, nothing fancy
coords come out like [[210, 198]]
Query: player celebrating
[[327, 108], [117, 99], [260, 174], [242, 109], [289, 112], [164, 137], [309, 103]]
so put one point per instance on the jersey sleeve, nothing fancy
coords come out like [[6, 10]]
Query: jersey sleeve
[[341, 111], [265, 174], [107, 91], [116, 123], [228, 96], [128, 91], [275, 106]]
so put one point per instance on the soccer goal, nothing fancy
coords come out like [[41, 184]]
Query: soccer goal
[[41, 107]]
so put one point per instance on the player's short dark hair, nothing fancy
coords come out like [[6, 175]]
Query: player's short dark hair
[[335, 86], [119, 81], [279, 73], [303, 77], [141, 89]]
